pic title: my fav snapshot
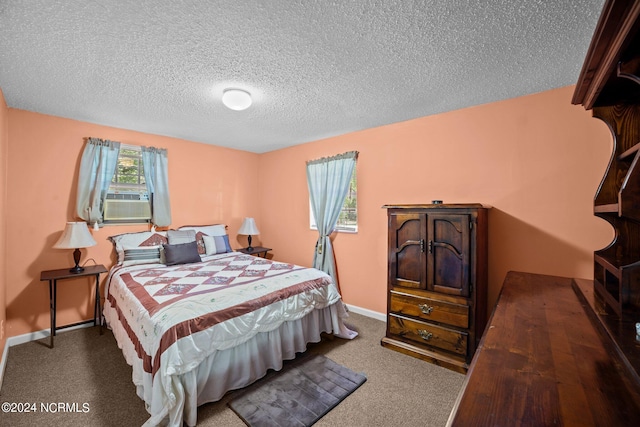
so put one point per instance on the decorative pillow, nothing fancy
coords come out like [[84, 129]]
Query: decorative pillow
[[209, 245], [182, 253], [216, 244], [222, 243], [215, 230], [177, 237], [141, 239], [142, 255]]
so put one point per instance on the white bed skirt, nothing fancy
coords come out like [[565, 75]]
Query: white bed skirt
[[230, 369]]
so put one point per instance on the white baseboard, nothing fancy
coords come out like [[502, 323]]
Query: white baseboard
[[31, 336], [366, 312], [45, 333]]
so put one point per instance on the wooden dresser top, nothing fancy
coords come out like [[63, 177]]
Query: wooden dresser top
[[542, 361]]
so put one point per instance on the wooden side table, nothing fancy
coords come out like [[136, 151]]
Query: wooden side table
[[256, 250], [54, 275]]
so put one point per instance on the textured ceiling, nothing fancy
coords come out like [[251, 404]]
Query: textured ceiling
[[315, 69]]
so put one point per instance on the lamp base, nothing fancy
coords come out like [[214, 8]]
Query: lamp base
[[76, 257]]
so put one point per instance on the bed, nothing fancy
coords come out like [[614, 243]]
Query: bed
[[195, 319]]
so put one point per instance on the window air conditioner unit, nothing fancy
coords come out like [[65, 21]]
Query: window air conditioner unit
[[126, 210]]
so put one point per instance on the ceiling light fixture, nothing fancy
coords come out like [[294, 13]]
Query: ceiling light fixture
[[236, 99]]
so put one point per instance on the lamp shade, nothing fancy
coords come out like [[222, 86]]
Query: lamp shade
[[248, 227], [75, 235]]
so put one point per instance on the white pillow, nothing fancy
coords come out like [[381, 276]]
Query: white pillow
[[209, 230], [209, 245]]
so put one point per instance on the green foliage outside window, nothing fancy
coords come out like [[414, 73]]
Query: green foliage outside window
[[348, 219], [129, 176]]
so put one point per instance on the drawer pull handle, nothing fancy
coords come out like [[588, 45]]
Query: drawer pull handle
[[426, 309], [424, 334]]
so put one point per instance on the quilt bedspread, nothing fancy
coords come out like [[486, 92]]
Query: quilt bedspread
[[178, 315]]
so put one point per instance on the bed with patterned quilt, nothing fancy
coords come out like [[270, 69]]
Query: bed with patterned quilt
[[196, 319]]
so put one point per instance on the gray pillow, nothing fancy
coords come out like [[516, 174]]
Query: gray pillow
[[183, 253], [177, 237]]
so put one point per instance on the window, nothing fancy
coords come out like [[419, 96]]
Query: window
[[348, 219], [129, 176], [127, 198]]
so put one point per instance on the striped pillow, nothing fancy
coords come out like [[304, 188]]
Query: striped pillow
[[142, 255], [135, 240], [216, 244]]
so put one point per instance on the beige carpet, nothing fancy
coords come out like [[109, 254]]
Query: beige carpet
[[87, 371]]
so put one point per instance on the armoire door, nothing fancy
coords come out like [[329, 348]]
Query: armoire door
[[448, 248], [407, 257]]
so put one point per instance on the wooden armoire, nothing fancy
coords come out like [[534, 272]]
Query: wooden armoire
[[437, 281]]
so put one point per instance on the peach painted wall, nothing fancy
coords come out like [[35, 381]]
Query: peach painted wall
[[207, 185], [537, 160], [4, 143]]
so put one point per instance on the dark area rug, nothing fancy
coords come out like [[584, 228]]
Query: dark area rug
[[298, 395]]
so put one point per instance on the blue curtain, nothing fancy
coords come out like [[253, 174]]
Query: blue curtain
[[328, 179], [97, 167], [156, 175]]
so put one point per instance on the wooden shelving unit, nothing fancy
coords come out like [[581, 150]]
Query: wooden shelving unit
[[609, 85]]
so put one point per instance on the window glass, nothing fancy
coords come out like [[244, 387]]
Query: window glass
[[127, 197], [348, 219], [129, 176]]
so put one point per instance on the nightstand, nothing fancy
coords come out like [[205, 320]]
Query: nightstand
[[256, 250], [54, 275]]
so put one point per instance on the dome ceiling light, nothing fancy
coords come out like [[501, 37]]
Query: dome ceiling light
[[236, 99]]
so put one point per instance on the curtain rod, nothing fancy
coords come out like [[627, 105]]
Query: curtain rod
[[347, 155]]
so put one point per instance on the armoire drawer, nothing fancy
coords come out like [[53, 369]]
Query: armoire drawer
[[429, 334], [429, 309]]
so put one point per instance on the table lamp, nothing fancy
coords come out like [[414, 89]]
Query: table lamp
[[248, 228], [75, 236]]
